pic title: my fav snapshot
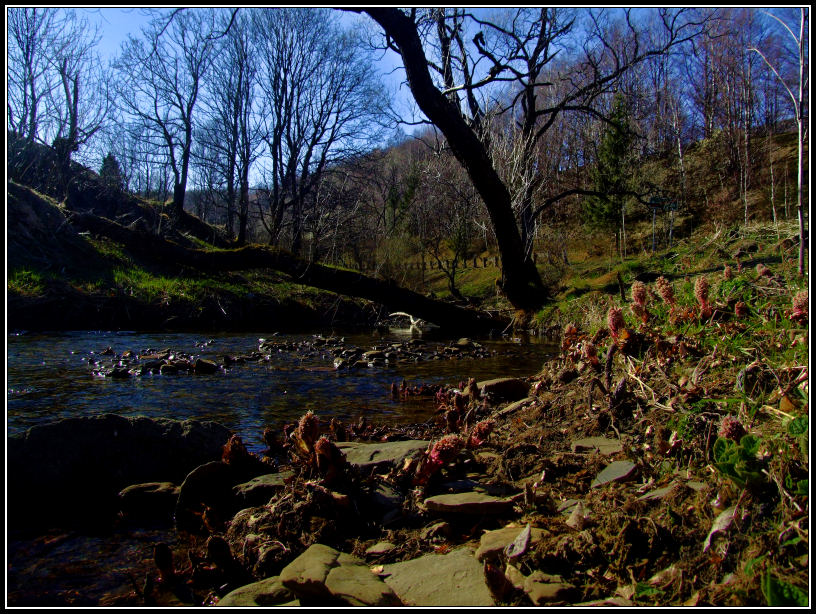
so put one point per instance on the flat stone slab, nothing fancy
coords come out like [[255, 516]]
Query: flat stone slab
[[493, 543], [602, 444], [369, 456], [324, 574], [617, 471], [469, 503], [438, 580], [264, 593]]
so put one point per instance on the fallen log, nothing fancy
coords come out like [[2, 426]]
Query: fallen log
[[396, 298]]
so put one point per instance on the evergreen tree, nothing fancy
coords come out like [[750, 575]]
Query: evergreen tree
[[613, 170], [111, 174]]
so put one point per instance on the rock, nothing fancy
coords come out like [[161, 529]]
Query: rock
[[211, 485], [620, 602], [544, 588], [325, 576], [371, 456], [437, 530], [453, 579], [657, 494], [382, 501], [618, 471], [505, 388], [578, 517], [264, 593], [566, 507], [259, 490], [469, 503], [204, 366], [380, 548], [208, 485], [514, 406], [493, 543], [87, 461], [150, 502], [605, 446], [514, 576]]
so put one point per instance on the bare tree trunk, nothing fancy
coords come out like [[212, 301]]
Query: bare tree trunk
[[521, 282], [801, 122]]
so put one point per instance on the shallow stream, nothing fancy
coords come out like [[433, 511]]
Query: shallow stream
[[50, 376]]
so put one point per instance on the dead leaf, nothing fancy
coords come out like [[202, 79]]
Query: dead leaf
[[721, 524], [519, 545]]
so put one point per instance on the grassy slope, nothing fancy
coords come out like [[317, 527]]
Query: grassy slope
[[61, 281]]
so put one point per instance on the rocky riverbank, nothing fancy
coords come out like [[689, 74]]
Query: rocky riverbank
[[654, 461]]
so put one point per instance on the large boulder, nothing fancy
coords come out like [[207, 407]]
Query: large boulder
[[73, 469]]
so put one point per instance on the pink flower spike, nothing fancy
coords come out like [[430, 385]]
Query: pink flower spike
[[614, 320]]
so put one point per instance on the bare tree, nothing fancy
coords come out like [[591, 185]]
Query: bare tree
[[798, 101], [230, 133], [31, 34], [81, 103], [161, 76], [320, 98], [443, 217], [515, 50]]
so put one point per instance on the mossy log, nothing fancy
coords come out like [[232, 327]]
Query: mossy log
[[396, 298]]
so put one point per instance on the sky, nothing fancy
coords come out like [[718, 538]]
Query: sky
[[116, 23]]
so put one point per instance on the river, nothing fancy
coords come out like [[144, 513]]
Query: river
[[50, 376]]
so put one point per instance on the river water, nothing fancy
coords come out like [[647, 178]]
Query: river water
[[50, 376]]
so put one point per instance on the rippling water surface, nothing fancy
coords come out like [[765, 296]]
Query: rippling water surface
[[50, 377]]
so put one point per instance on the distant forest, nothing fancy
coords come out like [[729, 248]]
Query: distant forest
[[537, 123]]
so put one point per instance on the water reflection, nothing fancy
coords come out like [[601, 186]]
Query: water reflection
[[49, 377]]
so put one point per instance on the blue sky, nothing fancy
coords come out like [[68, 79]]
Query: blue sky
[[116, 23]]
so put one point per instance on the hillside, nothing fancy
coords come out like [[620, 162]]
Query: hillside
[[61, 279]]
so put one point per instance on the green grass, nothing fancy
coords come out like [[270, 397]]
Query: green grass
[[26, 282]]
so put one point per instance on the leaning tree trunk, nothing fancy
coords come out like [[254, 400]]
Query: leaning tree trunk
[[521, 283]]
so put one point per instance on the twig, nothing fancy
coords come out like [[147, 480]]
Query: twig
[[631, 372], [782, 491]]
